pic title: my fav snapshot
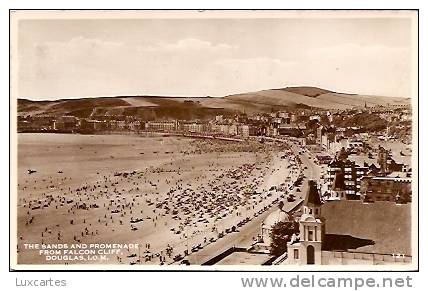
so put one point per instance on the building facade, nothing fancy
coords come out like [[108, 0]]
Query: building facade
[[394, 188], [347, 169]]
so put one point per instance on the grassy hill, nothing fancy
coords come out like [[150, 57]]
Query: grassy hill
[[141, 107], [203, 107], [306, 91], [314, 97]]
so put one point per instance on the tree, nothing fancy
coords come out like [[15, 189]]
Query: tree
[[368, 121], [281, 234]]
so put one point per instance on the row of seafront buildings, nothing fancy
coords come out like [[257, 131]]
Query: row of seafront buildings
[[297, 123], [72, 124], [221, 126], [199, 127], [265, 124], [274, 124]]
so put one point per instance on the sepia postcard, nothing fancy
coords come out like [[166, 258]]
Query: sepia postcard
[[214, 140]]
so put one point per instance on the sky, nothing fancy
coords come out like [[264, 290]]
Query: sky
[[73, 58]]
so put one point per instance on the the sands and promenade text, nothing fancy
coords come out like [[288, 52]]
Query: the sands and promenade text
[[79, 251]]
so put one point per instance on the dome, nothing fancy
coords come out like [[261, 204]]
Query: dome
[[275, 217], [307, 217]]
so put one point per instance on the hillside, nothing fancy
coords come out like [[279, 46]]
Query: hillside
[[314, 97], [306, 91], [142, 107], [168, 107]]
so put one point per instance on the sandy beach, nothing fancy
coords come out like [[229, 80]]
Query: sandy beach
[[169, 195]]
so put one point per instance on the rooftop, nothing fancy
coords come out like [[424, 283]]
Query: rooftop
[[380, 227], [398, 175], [312, 196], [339, 181], [245, 258]]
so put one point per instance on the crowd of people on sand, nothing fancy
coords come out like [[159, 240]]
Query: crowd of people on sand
[[202, 209]]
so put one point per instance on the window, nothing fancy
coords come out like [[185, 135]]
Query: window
[[311, 235], [296, 254], [316, 211]]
